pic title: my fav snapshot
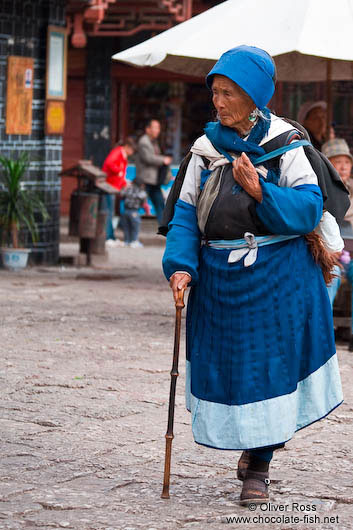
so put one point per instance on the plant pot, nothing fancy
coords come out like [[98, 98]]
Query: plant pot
[[14, 259]]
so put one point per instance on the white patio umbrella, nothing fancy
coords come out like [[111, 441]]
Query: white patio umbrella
[[301, 35]]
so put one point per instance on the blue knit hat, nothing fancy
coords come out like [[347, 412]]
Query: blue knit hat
[[250, 68]]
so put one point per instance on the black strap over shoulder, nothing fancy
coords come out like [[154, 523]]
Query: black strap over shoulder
[[282, 139], [173, 196]]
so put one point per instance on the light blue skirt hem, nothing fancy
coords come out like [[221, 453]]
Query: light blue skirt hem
[[269, 422], [283, 442]]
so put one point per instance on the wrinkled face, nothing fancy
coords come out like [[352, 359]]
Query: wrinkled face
[[233, 105], [343, 164], [154, 129]]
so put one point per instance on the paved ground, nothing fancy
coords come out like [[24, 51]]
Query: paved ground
[[84, 384]]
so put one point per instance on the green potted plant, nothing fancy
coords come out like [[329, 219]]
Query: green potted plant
[[18, 207]]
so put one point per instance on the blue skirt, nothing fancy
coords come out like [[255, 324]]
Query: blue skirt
[[261, 359]]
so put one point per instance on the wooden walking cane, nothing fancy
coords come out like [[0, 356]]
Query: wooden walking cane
[[179, 305]]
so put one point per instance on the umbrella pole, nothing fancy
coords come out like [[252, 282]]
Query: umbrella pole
[[328, 97]]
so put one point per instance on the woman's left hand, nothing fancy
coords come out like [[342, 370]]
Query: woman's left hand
[[245, 174]]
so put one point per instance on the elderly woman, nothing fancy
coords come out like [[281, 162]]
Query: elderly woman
[[313, 115], [261, 361]]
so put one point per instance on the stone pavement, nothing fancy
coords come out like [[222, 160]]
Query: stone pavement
[[84, 386]]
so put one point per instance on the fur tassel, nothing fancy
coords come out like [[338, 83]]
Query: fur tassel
[[323, 257]]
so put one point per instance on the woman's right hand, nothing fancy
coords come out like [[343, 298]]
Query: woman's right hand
[[179, 281]]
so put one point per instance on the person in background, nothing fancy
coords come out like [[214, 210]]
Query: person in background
[[312, 115], [148, 161], [115, 167], [337, 151], [135, 198]]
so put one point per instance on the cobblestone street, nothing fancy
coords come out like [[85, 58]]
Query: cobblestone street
[[84, 380]]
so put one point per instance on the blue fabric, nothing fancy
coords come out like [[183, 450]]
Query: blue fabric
[[205, 173], [265, 423], [250, 68], [241, 243], [333, 287], [290, 210], [254, 332], [349, 273], [228, 139], [183, 242], [281, 151], [271, 154]]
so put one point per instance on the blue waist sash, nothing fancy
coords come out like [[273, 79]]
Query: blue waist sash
[[247, 246]]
